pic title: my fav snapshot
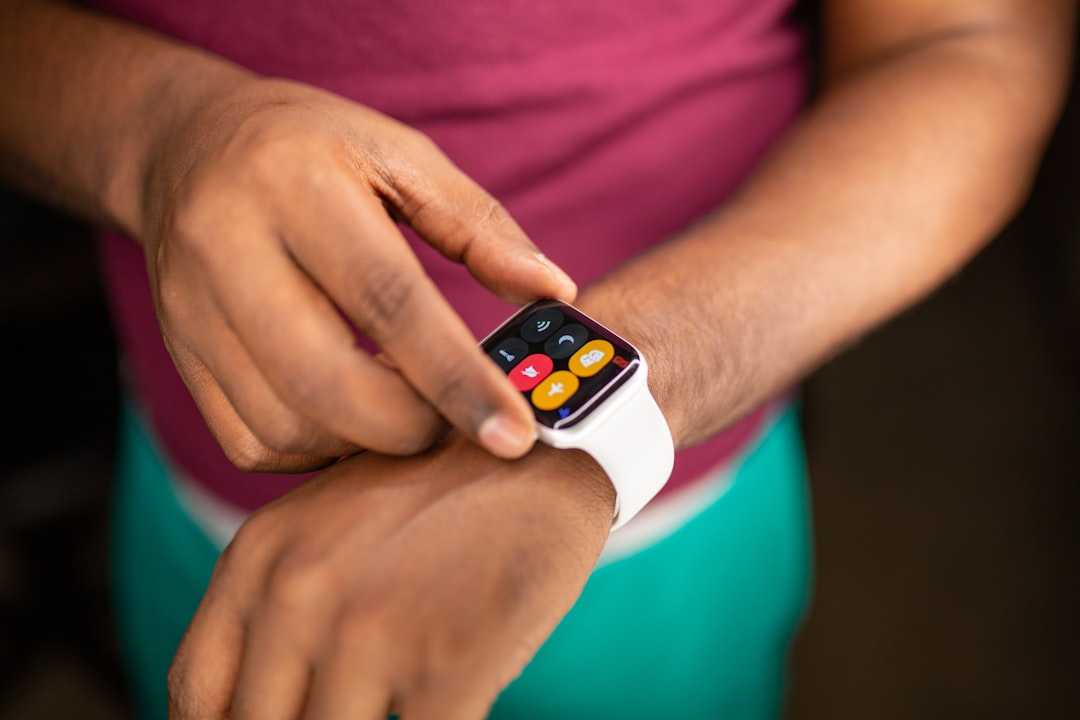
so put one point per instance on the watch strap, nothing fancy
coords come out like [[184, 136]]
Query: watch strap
[[634, 447]]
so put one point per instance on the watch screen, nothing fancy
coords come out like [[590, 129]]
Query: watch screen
[[561, 360]]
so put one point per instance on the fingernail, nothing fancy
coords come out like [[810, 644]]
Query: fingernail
[[506, 437], [557, 271]]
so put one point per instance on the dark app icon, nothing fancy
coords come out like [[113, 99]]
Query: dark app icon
[[541, 324], [566, 341], [509, 352]]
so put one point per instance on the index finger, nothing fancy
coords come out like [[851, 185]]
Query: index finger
[[456, 216], [359, 257]]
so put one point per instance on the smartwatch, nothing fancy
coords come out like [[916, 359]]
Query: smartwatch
[[588, 390]]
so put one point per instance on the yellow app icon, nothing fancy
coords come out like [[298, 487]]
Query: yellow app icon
[[590, 359], [554, 390]]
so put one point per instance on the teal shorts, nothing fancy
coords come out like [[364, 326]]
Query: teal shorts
[[697, 624]]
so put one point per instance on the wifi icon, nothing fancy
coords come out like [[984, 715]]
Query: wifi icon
[[540, 324]]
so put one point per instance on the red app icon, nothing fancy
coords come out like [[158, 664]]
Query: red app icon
[[530, 371]]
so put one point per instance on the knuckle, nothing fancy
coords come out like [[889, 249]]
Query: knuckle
[[454, 396], [412, 427], [376, 611], [486, 218], [198, 205], [251, 537], [281, 441], [490, 213], [385, 302], [275, 148], [417, 442], [266, 146], [403, 174], [249, 454], [283, 432], [438, 670], [264, 138], [190, 225], [279, 159], [303, 385], [416, 144], [298, 582], [365, 622], [443, 651]]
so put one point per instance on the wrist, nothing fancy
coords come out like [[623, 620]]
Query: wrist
[[175, 116], [659, 342], [570, 477], [580, 479]]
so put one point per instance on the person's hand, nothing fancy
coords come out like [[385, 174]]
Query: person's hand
[[417, 585], [269, 228]]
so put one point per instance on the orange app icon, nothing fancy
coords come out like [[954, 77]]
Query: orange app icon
[[591, 358], [554, 390]]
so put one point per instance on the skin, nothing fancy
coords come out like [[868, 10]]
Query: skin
[[357, 593], [364, 590], [204, 173]]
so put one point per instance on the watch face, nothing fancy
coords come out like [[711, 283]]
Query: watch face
[[563, 362]]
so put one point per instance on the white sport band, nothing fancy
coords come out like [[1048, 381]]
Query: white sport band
[[630, 439], [589, 390]]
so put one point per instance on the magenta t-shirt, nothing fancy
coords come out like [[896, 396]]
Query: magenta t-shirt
[[605, 127]]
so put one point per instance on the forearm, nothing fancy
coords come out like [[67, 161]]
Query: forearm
[[900, 174], [87, 100]]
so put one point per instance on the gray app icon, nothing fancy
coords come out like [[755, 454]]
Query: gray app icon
[[566, 341]]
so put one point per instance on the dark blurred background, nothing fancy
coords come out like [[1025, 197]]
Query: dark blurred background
[[944, 450]]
